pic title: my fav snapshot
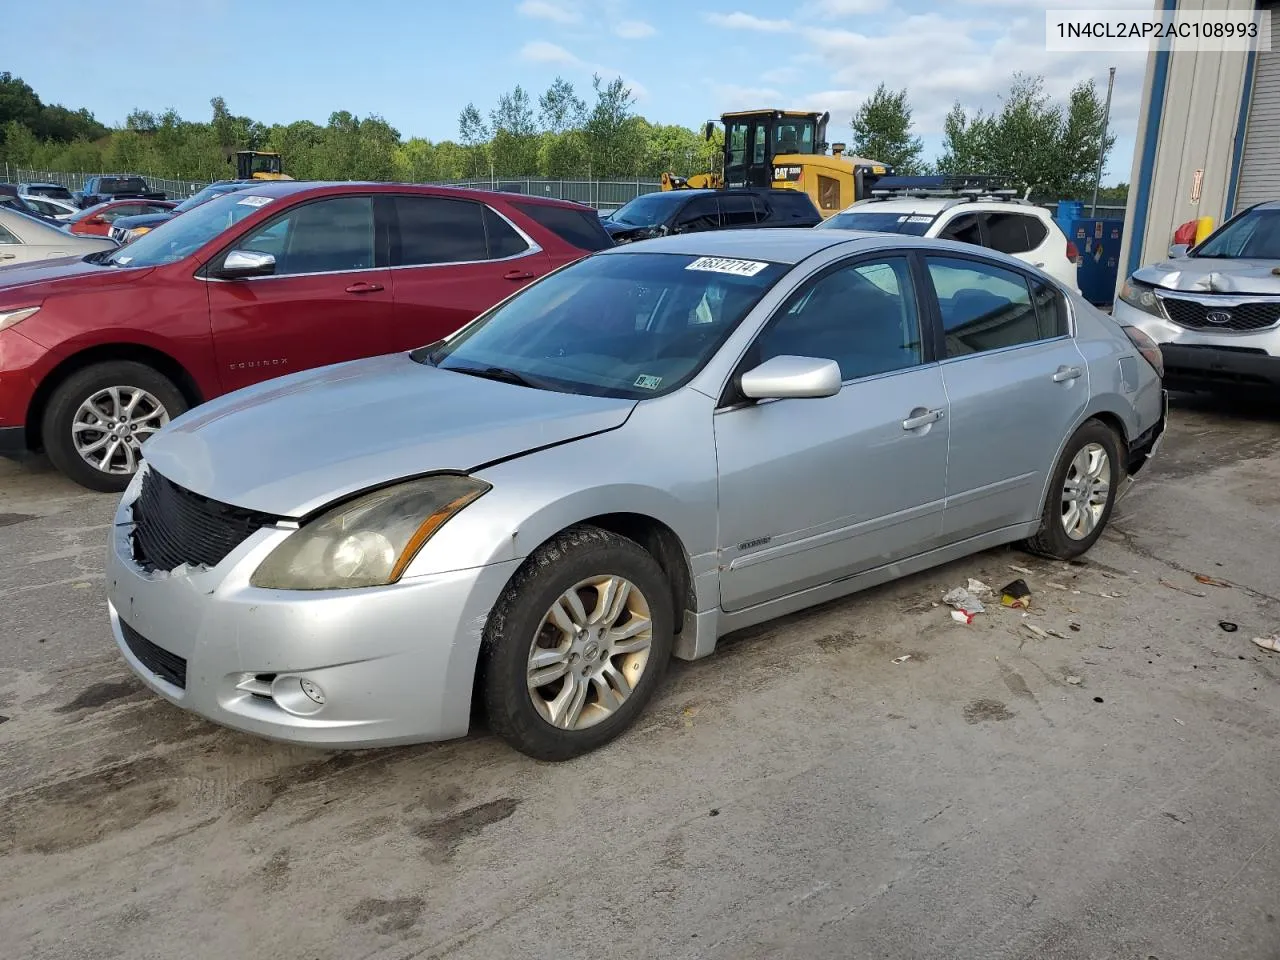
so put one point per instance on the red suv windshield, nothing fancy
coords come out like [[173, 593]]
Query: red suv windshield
[[184, 235]]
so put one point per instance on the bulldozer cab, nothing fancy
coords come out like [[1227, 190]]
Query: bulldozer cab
[[258, 165], [752, 139]]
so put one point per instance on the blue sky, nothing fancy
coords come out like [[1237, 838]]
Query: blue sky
[[418, 63]]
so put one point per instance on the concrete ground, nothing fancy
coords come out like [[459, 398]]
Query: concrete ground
[[797, 795]]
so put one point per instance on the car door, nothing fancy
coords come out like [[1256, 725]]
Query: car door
[[327, 301], [813, 490], [700, 213], [1016, 384], [11, 248], [452, 259]]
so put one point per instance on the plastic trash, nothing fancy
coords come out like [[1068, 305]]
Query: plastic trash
[[1211, 581], [1271, 643], [960, 616], [1227, 626], [1074, 681], [978, 588], [1016, 594], [962, 599], [902, 659]]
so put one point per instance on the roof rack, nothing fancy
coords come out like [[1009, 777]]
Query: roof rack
[[966, 186]]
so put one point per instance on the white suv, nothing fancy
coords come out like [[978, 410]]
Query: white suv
[[1015, 227]]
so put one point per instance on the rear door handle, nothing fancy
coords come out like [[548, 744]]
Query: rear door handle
[[921, 419], [517, 275], [1063, 374], [363, 287], [8, 256]]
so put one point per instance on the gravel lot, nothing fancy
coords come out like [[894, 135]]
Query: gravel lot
[[797, 795]]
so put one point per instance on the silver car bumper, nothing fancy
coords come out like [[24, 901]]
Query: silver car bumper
[[391, 665], [1208, 358]]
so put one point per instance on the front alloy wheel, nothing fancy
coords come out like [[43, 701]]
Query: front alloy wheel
[[590, 651], [110, 426]]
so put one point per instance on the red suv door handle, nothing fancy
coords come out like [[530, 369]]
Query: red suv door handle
[[517, 275], [363, 287]]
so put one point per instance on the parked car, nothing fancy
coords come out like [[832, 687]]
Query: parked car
[[101, 189], [997, 221], [692, 211], [96, 221], [1215, 308], [49, 207], [51, 191], [26, 239], [97, 354], [125, 229], [646, 450], [11, 199]]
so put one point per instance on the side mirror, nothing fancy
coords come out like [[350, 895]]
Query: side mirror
[[247, 263], [709, 130], [792, 377], [1178, 250]]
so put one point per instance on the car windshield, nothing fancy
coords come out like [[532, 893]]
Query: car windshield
[[184, 235], [631, 325], [208, 193], [1254, 235], [644, 211], [122, 185], [883, 221]]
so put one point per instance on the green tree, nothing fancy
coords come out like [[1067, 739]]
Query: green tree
[[560, 109], [614, 145], [882, 131], [475, 137], [514, 147]]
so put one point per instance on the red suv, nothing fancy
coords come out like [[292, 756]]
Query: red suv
[[98, 354]]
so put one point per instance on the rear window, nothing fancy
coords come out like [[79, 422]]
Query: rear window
[[578, 228], [122, 185], [884, 221], [790, 205]]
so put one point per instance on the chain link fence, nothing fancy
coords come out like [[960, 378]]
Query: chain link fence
[[173, 189]]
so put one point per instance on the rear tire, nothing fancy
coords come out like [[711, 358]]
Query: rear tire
[[129, 401], [1082, 494], [568, 660]]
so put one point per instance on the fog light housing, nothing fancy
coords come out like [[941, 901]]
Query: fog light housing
[[297, 695]]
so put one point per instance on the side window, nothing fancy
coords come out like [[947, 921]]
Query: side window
[[580, 229], [964, 228], [761, 208], [862, 316], [736, 210], [7, 237], [984, 307], [1009, 232], [700, 213], [504, 242], [1051, 309], [439, 230], [759, 144], [319, 237], [1036, 231], [124, 210]]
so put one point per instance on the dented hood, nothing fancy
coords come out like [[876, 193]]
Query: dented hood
[[290, 446], [1214, 275]]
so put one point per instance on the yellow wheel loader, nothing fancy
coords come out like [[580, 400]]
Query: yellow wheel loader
[[787, 150], [259, 165]]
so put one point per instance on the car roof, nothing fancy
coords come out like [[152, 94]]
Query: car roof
[[288, 188], [937, 205], [776, 244]]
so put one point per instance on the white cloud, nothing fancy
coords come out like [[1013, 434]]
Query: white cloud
[[747, 21], [841, 8], [540, 51], [545, 10], [634, 30], [731, 96]]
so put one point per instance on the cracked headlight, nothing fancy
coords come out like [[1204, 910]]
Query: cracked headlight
[[368, 541]]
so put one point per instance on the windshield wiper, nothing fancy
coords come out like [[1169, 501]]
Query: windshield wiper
[[497, 373]]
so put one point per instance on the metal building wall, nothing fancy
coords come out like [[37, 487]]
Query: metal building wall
[[1191, 113]]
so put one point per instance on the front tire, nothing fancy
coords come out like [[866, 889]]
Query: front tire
[[99, 417], [1082, 493], [577, 644]]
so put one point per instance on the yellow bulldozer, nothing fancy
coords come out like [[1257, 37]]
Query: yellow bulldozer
[[259, 165], [786, 150]]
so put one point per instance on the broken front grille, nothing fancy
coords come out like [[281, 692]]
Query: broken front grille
[[173, 526], [1194, 315]]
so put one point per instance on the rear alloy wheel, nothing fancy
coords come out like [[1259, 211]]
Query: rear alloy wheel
[[1082, 493], [98, 419], [577, 644]]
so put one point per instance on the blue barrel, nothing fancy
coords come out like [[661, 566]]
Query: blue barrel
[[1097, 241]]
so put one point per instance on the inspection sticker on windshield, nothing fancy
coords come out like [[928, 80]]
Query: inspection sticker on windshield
[[645, 382], [741, 268], [254, 201]]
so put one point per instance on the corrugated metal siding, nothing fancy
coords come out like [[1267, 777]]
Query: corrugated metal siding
[[1260, 169]]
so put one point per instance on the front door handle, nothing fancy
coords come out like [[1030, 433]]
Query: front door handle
[[363, 287], [8, 256], [918, 420], [1063, 374], [517, 275]]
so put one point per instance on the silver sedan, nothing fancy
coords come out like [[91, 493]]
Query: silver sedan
[[27, 239], [642, 451]]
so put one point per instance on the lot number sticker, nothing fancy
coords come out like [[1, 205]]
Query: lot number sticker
[[739, 268], [254, 201], [648, 382]]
